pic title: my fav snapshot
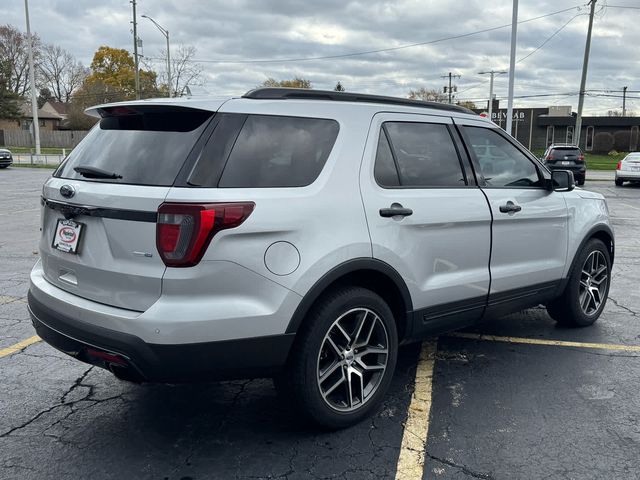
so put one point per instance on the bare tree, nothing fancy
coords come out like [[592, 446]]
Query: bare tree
[[184, 71], [60, 72], [426, 95], [14, 53]]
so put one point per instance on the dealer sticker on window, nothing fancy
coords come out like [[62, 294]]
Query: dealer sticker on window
[[67, 236]]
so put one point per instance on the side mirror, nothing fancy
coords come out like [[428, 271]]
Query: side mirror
[[562, 181]]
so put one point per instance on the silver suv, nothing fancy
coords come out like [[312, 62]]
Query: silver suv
[[303, 235]]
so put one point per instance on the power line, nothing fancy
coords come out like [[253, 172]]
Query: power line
[[382, 50], [549, 39], [623, 6]]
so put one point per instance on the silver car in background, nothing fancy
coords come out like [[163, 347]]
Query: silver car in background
[[628, 169]]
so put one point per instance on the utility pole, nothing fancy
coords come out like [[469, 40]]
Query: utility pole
[[34, 99], [135, 50], [450, 89], [492, 73], [583, 81], [624, 101], [512, 65]]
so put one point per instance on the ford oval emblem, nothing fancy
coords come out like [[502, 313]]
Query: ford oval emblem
[[67, 191]]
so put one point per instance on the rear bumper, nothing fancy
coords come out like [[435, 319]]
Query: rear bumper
[[627, 175], [131, 358]]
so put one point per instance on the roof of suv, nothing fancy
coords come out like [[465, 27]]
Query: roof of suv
[[291, 94]]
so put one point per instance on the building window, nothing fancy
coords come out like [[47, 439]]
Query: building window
[[570, 135], [634, 138], [588, 144], [550, 134], [41, 122]]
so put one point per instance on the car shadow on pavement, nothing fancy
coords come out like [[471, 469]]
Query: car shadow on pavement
[[236, 429]]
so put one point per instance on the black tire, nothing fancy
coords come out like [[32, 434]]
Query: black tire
[[300, 380], [619, 182], [566, 309]]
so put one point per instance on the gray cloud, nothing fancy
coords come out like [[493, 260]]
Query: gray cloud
[[274, 29]]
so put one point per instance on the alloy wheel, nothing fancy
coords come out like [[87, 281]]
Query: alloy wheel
[[352, 360], [594, 280]]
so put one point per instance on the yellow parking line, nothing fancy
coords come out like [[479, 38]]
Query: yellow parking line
[[414, 438], [555, 343], [19, 346]]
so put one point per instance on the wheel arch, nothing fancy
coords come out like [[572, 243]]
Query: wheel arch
[[602, 232], [369, 273]]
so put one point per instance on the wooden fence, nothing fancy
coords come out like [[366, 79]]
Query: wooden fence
[[48, 138]]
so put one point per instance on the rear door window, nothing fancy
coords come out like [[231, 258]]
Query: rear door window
[[142, 145], [277, 151], [424, 154]]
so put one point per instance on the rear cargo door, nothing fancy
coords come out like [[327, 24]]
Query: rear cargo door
[[100, 209]]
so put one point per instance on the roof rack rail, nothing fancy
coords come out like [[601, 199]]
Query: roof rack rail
[[270, 93]]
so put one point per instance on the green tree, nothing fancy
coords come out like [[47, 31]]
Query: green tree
[[8, 98], [296, 82]]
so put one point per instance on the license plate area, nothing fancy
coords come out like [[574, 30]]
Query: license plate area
[[565, 163], [66, 237]]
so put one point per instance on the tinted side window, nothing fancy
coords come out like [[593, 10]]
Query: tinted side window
[[425, 154], [501, 164], [385, 170], [275, 151]]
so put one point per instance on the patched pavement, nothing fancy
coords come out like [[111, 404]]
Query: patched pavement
[[499, 410]]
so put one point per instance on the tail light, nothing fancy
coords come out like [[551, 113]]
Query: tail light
[[184, 230], [581, 158], [549, 157], [619, 166]]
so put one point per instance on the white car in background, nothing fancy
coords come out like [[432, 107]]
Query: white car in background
[[628, 169]]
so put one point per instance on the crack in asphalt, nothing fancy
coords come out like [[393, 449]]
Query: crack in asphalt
[[63, 403], [463, 468], [619, 305]]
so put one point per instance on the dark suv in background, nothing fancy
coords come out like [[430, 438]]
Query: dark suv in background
[[6, 158], [566, 157]]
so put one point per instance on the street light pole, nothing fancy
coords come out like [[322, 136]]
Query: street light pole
[[492, 73], [34, 98], [512, 65], [165, 32]]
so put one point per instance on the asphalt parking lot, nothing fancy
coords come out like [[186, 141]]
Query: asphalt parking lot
[[514, 398]]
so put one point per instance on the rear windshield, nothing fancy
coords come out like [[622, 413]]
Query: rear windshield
[[145, 146], [566, 151]]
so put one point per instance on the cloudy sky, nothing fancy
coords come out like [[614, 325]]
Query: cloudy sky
[[240, 43]]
